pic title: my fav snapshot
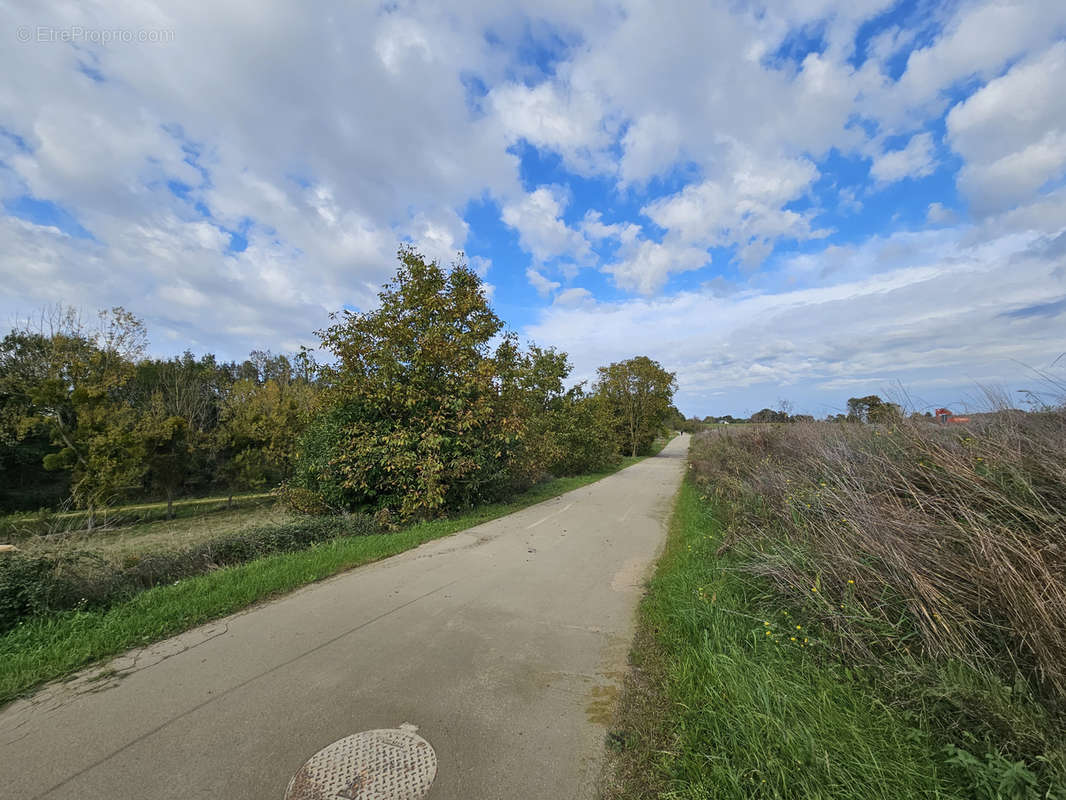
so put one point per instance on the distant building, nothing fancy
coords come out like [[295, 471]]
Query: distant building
[[945, 416]]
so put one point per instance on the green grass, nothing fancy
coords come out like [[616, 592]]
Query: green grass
[[108, 520], [724, 705], [151, 536], [53, 647]]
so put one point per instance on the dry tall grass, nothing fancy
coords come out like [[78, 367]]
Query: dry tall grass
[[922, 538]]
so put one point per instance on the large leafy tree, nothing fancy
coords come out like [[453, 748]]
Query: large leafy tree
[[259, 434], [68, 379], [412, 414], [873, 409], [639, 393]]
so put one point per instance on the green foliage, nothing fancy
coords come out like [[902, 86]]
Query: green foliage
[[995, 777], [422, 416], [926, 557], [639, 393], [575, 436], [874, 410], [769, 415], [24, 482], [67, 379], [85, 418], [260, 429], [414, 423], [429, 406]]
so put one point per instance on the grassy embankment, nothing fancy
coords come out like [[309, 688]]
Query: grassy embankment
[[138, 538], [46, 648], [129, 521], [783, 650]]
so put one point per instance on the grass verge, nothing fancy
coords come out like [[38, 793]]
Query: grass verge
[[55, 646], [23, 524], [730, 700], [151, 536]]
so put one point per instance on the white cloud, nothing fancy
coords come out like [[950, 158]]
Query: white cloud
[[915, 160], [938, 214], [558, 118], [743, 208], [1012, 133], [595, 229], [387, 123], [650, 146], [480, 265], [978, 40], [319, 162], [854, 332], [575, 296], [643, 266], [541, 230], [543, 285]]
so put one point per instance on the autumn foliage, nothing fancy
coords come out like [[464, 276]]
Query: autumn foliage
[[430, 406]]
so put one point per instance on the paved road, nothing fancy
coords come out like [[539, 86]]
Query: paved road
[[504, 644]]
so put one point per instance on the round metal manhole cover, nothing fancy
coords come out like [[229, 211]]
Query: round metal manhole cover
[[388, 764]]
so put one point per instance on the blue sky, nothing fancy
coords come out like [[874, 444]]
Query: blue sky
[[781, 201]]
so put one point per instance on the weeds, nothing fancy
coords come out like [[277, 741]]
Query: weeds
[[862, 611], [945, 541]]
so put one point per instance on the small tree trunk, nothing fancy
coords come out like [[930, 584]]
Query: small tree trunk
[[170, 506], [229, 501]]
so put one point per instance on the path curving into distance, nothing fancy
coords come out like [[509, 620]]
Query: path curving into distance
[[504, 644]]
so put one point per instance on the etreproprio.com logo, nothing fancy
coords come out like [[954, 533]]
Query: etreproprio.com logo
[[47, 34]]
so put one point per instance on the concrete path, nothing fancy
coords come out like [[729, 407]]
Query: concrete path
[[504, 644]]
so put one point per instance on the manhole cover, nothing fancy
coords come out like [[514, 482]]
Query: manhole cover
[[390, 764]]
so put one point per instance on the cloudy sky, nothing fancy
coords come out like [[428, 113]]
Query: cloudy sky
[[795, 200]]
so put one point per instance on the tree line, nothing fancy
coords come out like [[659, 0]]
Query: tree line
[[425, 404], [868, 409]]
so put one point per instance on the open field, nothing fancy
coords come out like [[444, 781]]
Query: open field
[[140, 538], [57, 525], [784, 652], [43, 648]]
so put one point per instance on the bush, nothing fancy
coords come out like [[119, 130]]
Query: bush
[[583, 435], [35, 585]]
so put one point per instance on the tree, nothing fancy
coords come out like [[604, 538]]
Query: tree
[[258, 437], [412, 419], [639, 394], [68, 380], [769, 415], [873, 409], [168, 452]]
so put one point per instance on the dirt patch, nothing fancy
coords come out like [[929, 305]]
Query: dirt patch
[[637, 735], [630, 576]]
